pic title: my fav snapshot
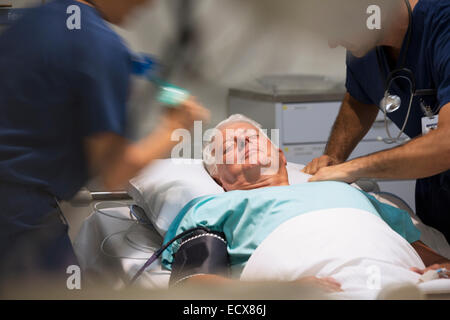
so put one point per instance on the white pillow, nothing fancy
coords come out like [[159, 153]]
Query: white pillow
[[166, 186], [295, 175]]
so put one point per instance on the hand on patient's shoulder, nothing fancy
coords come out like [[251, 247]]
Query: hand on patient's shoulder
[[318, 163]]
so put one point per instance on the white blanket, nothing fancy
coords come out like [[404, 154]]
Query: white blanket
[[355, 247], [322, 242]]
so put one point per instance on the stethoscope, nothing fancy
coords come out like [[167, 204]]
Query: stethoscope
[[391, 103]]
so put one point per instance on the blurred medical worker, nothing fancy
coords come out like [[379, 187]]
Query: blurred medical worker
[[412, 50], [63, 96]]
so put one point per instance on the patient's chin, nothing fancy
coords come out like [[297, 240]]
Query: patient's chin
[[251, 167], [253, 172], [260, 161]]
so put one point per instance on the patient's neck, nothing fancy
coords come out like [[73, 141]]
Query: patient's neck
[[254, 180]]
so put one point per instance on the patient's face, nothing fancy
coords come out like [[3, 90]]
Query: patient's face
[[248, 158]]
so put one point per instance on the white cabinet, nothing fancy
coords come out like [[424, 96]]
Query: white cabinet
[[299, 123], [312, 122], [305, 128], [304, 153]]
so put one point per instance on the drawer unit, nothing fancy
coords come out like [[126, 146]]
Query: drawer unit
[[304, 153], [312, 122], [299, 123]]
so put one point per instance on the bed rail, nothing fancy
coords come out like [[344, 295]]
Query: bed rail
[[85, 196]]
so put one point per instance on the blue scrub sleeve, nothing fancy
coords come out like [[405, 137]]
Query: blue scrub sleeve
[[441, 36], [399, 220], [104, 82], [352, 85]]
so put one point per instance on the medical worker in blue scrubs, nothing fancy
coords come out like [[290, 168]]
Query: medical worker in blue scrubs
[[416, 38], [63, 96]]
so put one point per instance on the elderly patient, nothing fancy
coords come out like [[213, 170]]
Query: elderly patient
[[259, 200]]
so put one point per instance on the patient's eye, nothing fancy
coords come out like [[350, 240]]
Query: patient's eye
[[253, 138], [229, 146]]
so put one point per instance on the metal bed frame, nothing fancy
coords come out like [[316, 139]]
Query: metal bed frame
[[85, 196]]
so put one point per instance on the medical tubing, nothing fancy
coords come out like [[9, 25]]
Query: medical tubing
[[131, 243], [135, 220], [137, 246], [106, 239], [161, 250], [391, 78], [112, 216], [133, 216]]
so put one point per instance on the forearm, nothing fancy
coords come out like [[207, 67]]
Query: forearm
[[422, 157], [352, 124], [131, 158], [116, 160], [428, 256]]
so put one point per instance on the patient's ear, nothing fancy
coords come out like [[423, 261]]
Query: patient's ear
[[217, 180]]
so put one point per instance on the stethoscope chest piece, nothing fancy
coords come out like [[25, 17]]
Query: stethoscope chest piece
[[390, 103]]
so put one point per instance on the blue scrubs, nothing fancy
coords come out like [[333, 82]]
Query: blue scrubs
[[57, 87], [429, 59]]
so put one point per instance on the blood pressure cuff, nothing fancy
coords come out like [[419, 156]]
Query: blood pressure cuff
[[200, 253]]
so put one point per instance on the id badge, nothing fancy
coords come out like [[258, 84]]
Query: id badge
[[429, 123]]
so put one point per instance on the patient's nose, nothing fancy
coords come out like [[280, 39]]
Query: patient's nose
[[241, 144]]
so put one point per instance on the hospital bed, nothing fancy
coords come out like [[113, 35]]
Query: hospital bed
[[111, 246]]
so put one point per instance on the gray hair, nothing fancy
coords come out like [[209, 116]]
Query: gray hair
[[209, 160]]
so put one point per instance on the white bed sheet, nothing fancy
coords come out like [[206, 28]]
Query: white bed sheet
[[113, 271], [428, 235], [365, 259], [117, 272]]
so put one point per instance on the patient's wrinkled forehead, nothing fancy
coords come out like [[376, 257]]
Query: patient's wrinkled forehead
[[240, 130]]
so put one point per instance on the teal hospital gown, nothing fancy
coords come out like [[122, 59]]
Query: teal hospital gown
[[248, 217]]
